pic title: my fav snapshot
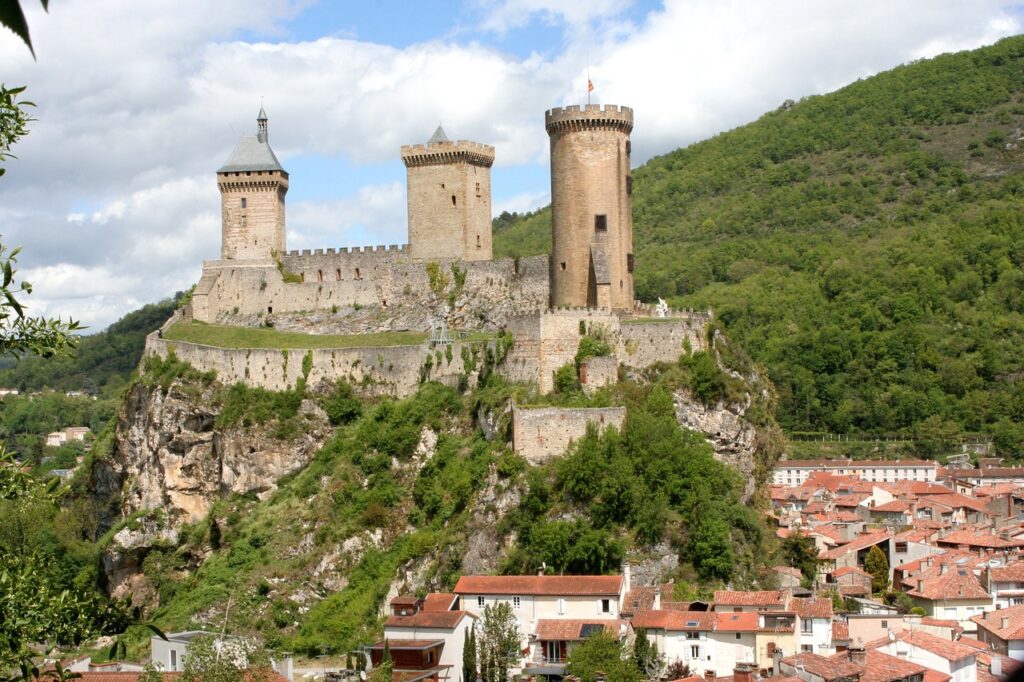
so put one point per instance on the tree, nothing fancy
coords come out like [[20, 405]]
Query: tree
[[877, 564], [13, 18], [469, 656], [799, 551], [602, 653], [213, 659], [499, 642], [645, 655], [385, 671]]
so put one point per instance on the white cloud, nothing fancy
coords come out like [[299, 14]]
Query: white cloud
[[139, 102]]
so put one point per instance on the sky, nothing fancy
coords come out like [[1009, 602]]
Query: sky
[[113, 196]]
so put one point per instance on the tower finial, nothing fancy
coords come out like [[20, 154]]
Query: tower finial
[[261, 124]]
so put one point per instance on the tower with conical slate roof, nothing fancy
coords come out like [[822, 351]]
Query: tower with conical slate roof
[[449, 185], [252, 186]]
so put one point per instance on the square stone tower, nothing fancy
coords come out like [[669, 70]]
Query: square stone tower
[[252, 186], [591, 207], [449, 185]]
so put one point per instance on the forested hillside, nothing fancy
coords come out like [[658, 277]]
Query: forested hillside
[[866, 246]]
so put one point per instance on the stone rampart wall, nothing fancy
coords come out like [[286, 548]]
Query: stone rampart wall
[[642, 344], [384, 370], [540, 434], [360, 291]]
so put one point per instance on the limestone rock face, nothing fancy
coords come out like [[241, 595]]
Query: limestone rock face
[[169, 455], [733, 438], [122, 558]]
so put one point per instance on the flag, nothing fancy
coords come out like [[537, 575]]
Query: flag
[[590, 85]]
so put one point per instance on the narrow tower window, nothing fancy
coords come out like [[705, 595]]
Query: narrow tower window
[[319, 275], [601, 223], [629, 147], [243, 202], [453, 200], [629, 184], [358, 276], [478, 189], [563, 265], [478, 241], [337, 274], [629, 262]]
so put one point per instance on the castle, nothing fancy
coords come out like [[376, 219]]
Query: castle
[[446, 273]]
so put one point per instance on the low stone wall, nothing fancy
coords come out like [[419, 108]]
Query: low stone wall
[[539, 434], [642, 344], [382, 370]]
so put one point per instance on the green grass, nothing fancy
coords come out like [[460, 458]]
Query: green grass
[[224, 336]]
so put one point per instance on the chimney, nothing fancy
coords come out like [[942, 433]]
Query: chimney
[[857, 654], [943, 568], [657, 598], [627, 576], [744, 672], [920, 585], [996, 666], [1004, 622]]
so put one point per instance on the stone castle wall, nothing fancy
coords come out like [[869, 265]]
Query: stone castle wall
[[540, 434], [383, 370], [369, 290], [256, 228]]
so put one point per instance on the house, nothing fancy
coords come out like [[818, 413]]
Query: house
[[811, 667], [414, 660], [797, 472], [733, 640], [544, 597], [683, 636], [169, 654], [978, 542], [789, 578], [951, 591], [1005, 584], [814, 624], [894, 513], [1003, 631], [855, 552], [949, 657], [850, 581], [55, 439], [556, 639], [429, 637]]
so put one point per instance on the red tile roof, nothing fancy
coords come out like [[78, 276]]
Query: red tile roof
[[882, 667], [1012, 573], [895, 506], [857, 544], [826, 668], [439, 601], [812, 607], [840, 631], [847, 570], [736, 622], [749, 598], [548, 585], [675, 620], [972, 538], [944, 648], [959, 582], [431, 620], [993, 622], [788, 570], [574, 630]]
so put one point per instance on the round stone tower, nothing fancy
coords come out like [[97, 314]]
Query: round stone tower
[[449, 185], [252, 186], [591, 206]]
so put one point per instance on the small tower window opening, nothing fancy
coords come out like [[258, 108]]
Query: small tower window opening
[[270, 310], [453, 200], [601, 223], [629, 262], [243, 202], [629, 147], [302, 277], [442, 185], [562, 265], [478, 241], [629, 184], [319, 275], [337, 274], [358, 276], [478, 189]]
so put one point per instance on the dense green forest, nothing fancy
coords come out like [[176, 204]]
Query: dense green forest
[[866, 246]]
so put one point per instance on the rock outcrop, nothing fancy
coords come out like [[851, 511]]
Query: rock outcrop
[[169, 454], [732, 437]]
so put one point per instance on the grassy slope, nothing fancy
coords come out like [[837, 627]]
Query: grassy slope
[[863, 245]]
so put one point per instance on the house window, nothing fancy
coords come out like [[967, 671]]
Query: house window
[[517, 602], [606, 606], [430, 657], [805, 626], [600, 223], [901, 547], [950, 613], [480, 601], [885, 625], [694, 652], [358, 276], [806, 647], [737, 635], [174, 659], [243, 202], [692, 635], [319, 275], [561, 606]]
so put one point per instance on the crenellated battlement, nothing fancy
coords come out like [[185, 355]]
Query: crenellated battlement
[[347, 250], [462, 151], [576, 117]]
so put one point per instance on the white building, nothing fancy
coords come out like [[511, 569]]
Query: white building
[[796, 472]]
